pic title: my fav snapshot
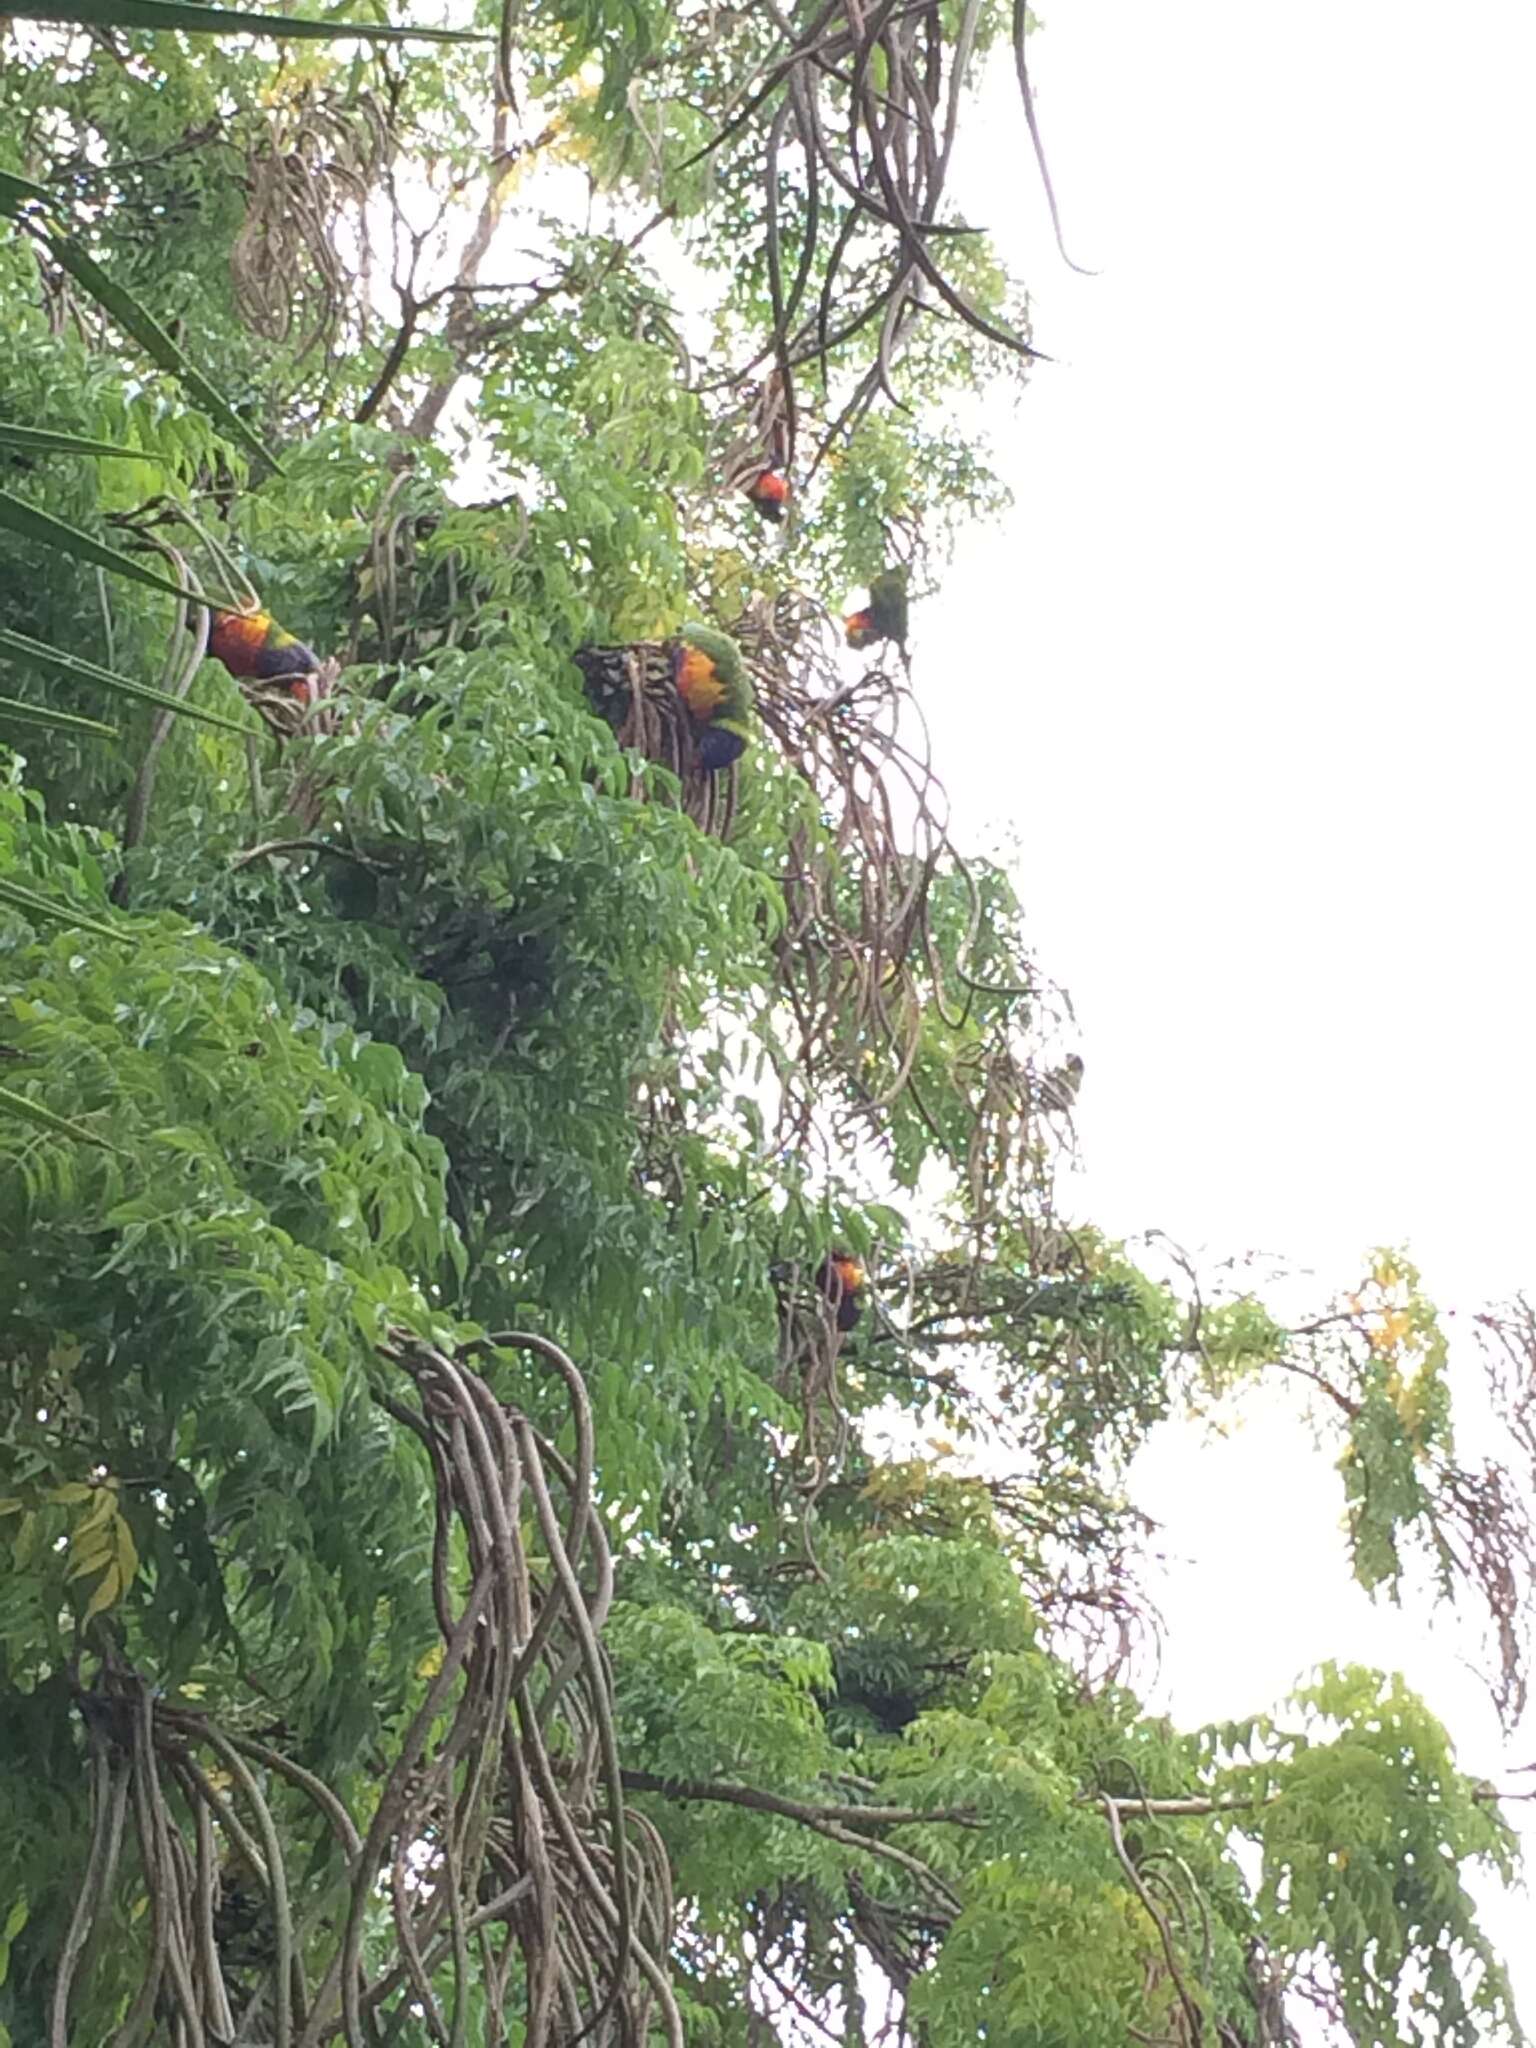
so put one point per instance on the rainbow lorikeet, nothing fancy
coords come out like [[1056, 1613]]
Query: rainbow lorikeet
[[712, 681], [842, 1280], [885, 616], [701, 669], [255, 648], [769, 493]]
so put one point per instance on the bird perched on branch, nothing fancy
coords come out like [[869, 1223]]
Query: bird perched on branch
[[255, 648], [712, 681], [279, 677], [701, 673], [842, 1280], [1058, 1089], [885, 616], [769, 493], [759, 460]]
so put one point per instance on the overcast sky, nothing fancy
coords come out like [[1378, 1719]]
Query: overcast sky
[[1247, 673]]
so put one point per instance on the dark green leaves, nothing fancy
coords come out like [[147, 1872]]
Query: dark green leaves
[[34, 205], [14, 711], [30, 521], [137, 321], [42, 441], [17, 647], [27, 1111], [17, 193], [189, 19], [40, 909]]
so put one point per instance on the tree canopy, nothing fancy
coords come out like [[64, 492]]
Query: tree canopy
[[447, 1592]]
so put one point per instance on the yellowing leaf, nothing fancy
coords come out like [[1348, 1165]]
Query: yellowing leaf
[[94, 1554], [1395, 1325], [127, 1553], [432, 1663], [102, 1510], [107, 1594]]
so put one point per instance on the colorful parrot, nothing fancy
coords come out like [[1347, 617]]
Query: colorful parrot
[[759, 460], [702, 667], [280, 678], [769, 493], [256, 649], [843, 1280], [712, 681], [885, 616]]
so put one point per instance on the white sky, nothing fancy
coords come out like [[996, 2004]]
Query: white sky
[[1247, 672]]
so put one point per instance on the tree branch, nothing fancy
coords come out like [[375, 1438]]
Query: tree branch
[[794, 1809]]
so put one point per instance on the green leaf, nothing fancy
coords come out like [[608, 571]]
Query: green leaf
[[28, 901], [16, 192], [19, 647], [44, 441], [17, 516], [53, 721], [30, 1112], [16, 1919], [192, 19], [146, 330]]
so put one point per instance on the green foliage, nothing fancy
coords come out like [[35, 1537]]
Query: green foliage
[[448, 1017], [1365, 1826], [195, 1308]]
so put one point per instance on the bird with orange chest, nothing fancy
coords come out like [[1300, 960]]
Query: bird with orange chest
[[842, 1281], [712, 681], [280, 678], [256, 649], [884, 617], [700, 671], [769, 494]]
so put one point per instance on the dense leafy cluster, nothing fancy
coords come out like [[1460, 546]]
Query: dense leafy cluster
[[450, 1017]]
